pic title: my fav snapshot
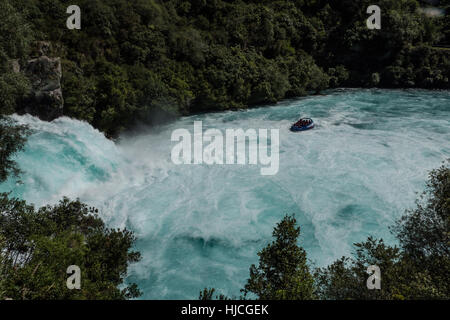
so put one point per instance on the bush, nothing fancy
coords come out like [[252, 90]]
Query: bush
[[282, 273], [15, 32], [39, 245], [12, 140], [418, 269]]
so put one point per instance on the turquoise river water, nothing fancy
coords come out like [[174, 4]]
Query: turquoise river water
[[202, 225]]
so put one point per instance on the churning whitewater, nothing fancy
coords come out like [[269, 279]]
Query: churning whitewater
[[202, 225]]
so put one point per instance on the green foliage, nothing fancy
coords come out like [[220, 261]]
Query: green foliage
[[417, 270], [282, 273], [39, 245], [425, 231], [12, 140], [15, 32], [207, 294], [15, 39], [346, 278], [133, 59], [338, 76], [14, 88]]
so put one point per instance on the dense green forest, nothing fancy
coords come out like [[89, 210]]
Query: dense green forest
[[416, 269], [148, 59], [38, 245]]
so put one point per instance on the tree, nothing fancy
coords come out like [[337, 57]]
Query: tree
[[39, 245], [208, 293], [418, 269], [282, 272], [14, 88], [345, 279], [15, 33], [12, 140], [424, 233]]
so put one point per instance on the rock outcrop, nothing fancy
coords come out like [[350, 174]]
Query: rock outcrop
[[46, 100]]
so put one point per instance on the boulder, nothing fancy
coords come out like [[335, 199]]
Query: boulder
[[46, 100]]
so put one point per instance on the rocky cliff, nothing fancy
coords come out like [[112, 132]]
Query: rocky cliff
[[46, 98]]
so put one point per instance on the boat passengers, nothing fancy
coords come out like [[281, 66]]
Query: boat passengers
[[302, 122]]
